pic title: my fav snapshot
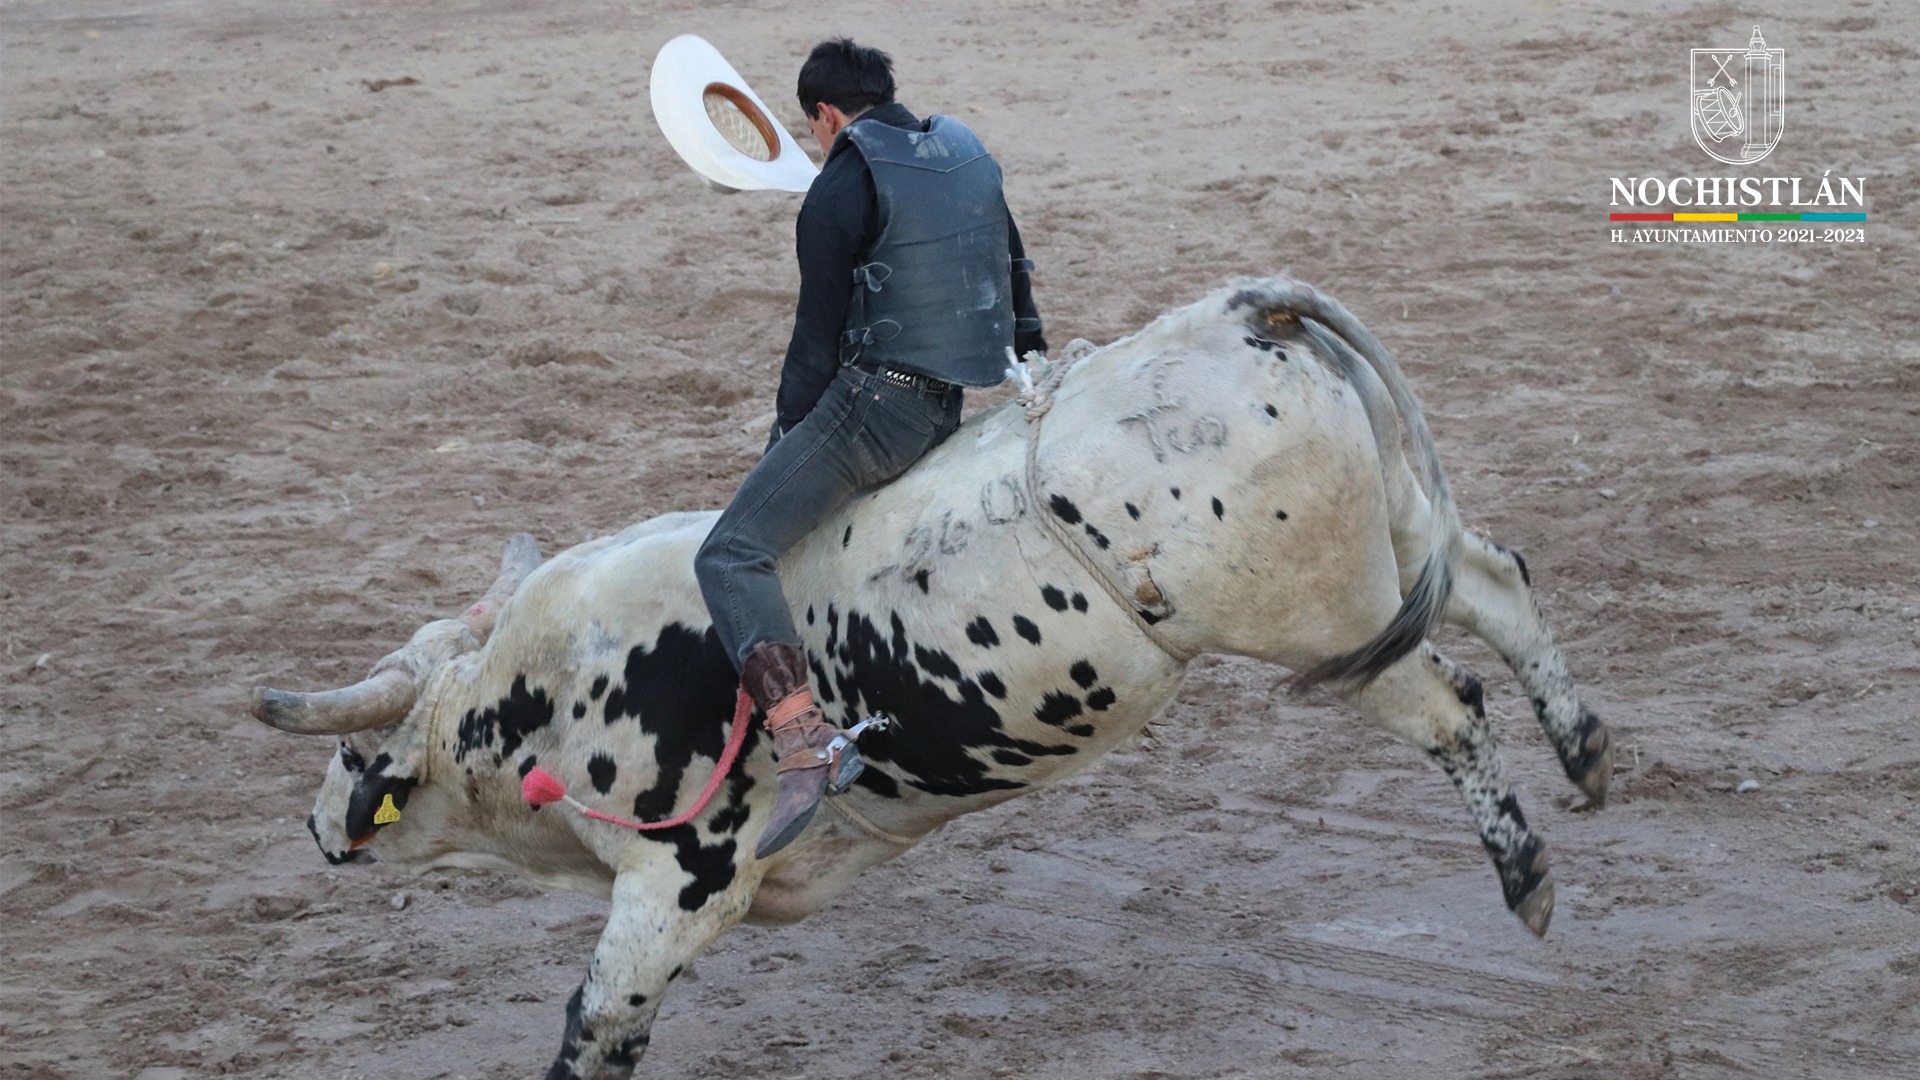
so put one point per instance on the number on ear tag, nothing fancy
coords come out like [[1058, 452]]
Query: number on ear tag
[[388, 813]]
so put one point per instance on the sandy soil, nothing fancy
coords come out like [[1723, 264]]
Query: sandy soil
[[285, 359]]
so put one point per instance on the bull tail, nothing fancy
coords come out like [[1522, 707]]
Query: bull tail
[[1423, 606]]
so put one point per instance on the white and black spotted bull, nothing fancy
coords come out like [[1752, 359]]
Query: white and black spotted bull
[[1233, 472]]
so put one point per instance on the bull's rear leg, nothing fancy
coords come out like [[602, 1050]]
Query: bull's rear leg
[[1435, 705], [649, 940], [1493, 599]]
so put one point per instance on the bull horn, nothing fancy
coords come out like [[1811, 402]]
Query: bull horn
[[379, 699], [521, 556], [386, 696]]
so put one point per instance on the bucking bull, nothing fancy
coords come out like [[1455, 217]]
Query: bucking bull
[[1229, 480]]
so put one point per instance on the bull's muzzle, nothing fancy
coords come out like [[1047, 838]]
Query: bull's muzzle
[[353, 854]]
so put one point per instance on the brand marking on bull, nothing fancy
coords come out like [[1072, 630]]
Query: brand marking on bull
[[1203, 432]]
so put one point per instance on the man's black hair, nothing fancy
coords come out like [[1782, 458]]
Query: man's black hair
[[851, 78]]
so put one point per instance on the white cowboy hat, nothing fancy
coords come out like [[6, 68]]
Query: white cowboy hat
[[719, 126]]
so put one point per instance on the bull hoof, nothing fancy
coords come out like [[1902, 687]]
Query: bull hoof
[[1536, 908], [1591, 769], [1528, 885]]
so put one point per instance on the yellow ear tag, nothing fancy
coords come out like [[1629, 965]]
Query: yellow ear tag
[[388, 813]]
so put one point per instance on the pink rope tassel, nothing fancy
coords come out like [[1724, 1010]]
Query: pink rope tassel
[[541, 787]]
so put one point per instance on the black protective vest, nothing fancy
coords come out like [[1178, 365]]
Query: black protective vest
[[936, 293]]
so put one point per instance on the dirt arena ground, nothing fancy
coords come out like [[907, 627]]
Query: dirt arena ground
[[284, 358]]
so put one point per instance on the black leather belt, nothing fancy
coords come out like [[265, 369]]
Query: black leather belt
[[912, 380]]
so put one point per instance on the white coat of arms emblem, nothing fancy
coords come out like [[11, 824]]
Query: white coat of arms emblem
[[1738, 100]]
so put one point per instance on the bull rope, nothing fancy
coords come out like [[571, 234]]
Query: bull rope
[[864, 824], [1036, 400]]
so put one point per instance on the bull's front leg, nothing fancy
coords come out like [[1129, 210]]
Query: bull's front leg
[[650, 938], [1436, 705]]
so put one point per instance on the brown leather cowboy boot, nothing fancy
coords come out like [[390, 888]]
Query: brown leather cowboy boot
[[775, 677]]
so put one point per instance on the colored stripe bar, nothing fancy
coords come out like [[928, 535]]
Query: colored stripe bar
[[1736, 217]]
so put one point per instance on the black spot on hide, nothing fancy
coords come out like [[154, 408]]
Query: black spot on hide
[[1064, 509], [603, 772], [579, 709], [526, 765], [712, 865], [1133, 512], [1176, 493], [1025, 628], [991, 684], [1271, 411], [1080, 603], [1281, 514], [1057, 708], [1055, 599], [681, 691], [981, 633], [824, 687], [1100, 700], [1219, 510], [733, 817], [809, 614], [920, 579], [936, 663], [599, 687], [1467, 689], [846, 537], [1510, 808], [506, 723], [945, 718], [1083, 673], [1099, 538]]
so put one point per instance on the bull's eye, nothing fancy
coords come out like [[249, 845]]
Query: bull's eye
[[351, 758]]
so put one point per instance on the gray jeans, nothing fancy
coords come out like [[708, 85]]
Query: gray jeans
[[864, 431]]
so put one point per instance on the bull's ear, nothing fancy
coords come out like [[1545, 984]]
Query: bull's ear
[[352, 759]]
